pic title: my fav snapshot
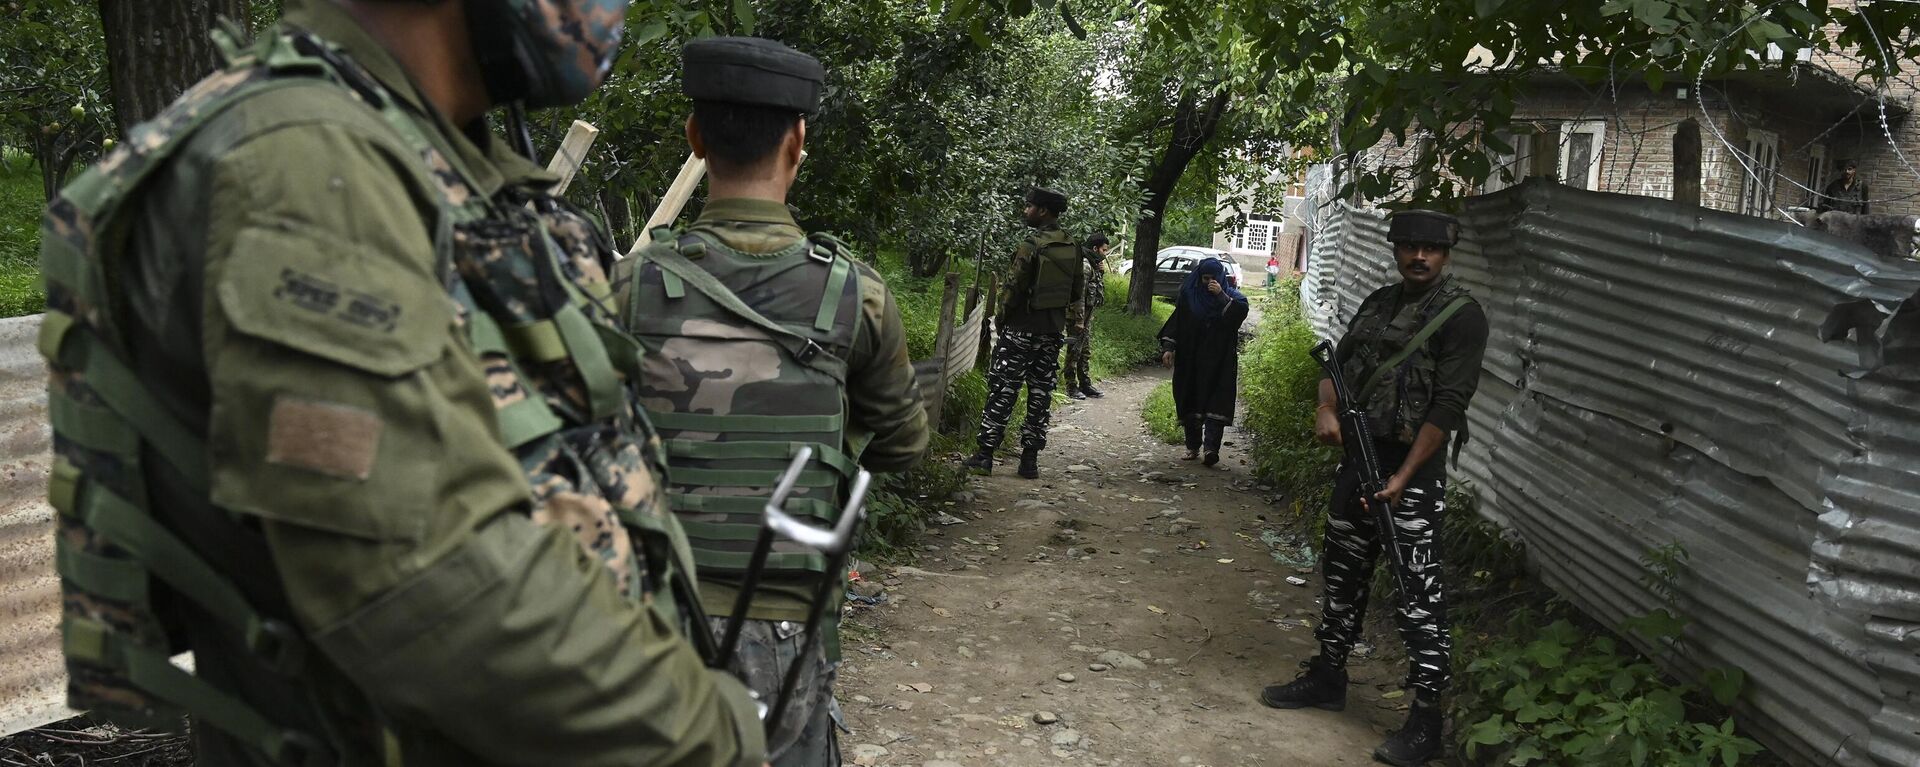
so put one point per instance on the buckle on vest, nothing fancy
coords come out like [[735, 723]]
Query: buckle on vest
[[810, 351], [277, 645], [820, 253]]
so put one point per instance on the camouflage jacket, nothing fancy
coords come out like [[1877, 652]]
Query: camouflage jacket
[[286, 284]]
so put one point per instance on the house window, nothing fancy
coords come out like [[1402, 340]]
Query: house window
[[1762, 167], [1580, 143], [1817, 173], [1256, 235], [1510, 167]]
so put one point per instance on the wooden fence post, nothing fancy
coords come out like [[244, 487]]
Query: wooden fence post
[[942, 344], [1686, 163], [572, 154], [986, 338]]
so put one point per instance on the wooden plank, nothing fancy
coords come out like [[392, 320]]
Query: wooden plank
[[674, 201], [566, 163]]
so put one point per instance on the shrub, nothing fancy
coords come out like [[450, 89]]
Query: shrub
[[1280, 384], [20, 204]]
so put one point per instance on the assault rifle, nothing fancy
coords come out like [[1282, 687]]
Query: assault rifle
[[835, 544], [1356, 438]]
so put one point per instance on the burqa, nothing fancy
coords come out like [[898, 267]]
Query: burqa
[[1204, 336]]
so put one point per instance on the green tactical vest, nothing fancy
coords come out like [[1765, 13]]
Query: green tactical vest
[[533, 301], [743, 363], [1397, 400], [1057, 265]]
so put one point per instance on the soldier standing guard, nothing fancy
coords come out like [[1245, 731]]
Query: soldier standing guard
[[1080, 322], [758, 339], [1046, 280], [338, 406], [1415, 348]]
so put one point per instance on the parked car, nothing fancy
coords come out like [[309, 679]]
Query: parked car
[[1174, 264]]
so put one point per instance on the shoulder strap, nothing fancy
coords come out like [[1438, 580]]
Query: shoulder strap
[[1419, 339], [802, 348]]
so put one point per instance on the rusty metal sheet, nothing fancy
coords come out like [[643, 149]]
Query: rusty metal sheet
[[32, 679], [1659, 374]]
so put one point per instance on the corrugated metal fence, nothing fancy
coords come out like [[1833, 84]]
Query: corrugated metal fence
[[1657, 374]]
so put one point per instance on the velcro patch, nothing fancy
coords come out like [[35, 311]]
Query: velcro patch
[[329, 438]]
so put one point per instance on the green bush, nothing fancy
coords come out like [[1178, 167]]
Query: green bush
[[20, 204], [1280, 385], [1162, 422]]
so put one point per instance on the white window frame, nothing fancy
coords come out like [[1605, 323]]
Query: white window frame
[[1515, 162], [1762, 171], [1595, 128], [1261, 241], [1819, 172]]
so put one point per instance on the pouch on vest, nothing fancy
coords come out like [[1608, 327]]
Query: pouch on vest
[[1057, 267]]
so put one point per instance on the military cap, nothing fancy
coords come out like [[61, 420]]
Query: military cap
[[1423, 227], [751, 71], [1048, 198]]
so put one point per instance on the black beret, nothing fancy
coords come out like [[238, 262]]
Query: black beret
[[1096, 241], [1424, 227], [1048, 198], [752, 71]]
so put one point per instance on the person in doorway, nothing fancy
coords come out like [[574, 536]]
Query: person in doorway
[[302, 433], [1414, 350], [1080, 323], [1045, 281], [1201, 342], [757, 339], [1846, 194]]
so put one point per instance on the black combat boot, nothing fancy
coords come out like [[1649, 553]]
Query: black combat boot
[[1073, 392], [980, 463], [1417, 742], [1030, 463], [1086, 387], [1318, 687]]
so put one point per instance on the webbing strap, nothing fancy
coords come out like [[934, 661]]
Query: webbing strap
[[605, 393], [745, 423], [777, 451], [118, 579], [124, 395], [830, 300], [539, 341], [92, 427], [1419, 339], [676, 287], [161, 553], [684, 476], [707, 559], [523, 421], [151, 670], [729, 504], [801, 348]]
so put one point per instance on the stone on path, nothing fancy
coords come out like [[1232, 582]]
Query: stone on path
[[1045, 717], [1065, 677], [1066, 738], [1120, 660]]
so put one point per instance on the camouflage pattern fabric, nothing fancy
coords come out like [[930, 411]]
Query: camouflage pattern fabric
[[1352, 548], [1032, 359], [812, 719], [1398, 405], [573, 43]]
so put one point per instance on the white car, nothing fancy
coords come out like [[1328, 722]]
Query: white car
[[1173, 264]]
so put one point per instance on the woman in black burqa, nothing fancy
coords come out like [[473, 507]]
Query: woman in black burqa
[[1201, 342]]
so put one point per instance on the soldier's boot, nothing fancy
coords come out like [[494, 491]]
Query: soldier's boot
[[1416, 743], [1318, 687], [1073, 392], [1086, 387], [1030, 463], [980, 463]]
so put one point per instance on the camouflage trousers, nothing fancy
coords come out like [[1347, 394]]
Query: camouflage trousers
[[1020, 358], [1353, 547], [1080, 358], [809, 732]]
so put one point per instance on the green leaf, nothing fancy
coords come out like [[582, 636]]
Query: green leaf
[[978, 31], [1621, 684], [1525, 754], [743, 13], [1488, 731], [1639, 752], [648, 34], [1725, 684]]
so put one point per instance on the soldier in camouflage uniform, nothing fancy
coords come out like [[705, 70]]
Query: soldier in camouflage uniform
[[1045, 284], [340, 404], [1080, 322], [759, 339]]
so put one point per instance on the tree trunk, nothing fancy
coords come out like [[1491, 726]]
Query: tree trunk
[[1194, 124], [157, 48]]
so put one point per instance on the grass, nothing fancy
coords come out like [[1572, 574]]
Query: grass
[[1158, 411], [21, 201], [1280, 384]]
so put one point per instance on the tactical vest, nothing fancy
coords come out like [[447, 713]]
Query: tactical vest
[[1057, 265], [744, 363], [1096, 282], [534, 304], [1397, 400]]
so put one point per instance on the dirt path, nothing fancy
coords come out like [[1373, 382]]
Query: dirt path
[[1126, 593]]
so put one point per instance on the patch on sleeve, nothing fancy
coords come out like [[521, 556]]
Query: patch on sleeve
[[325, 437]]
